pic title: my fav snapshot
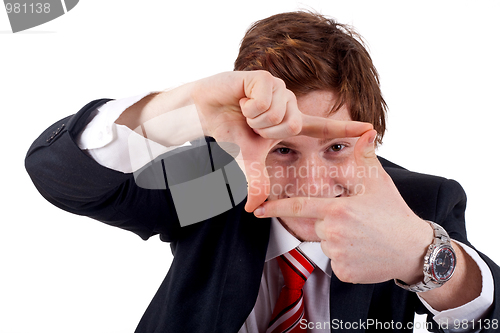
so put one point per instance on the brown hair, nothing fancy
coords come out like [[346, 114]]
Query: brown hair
[[311, 52]]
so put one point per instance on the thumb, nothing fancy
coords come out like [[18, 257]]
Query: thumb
[[242, 102], [364, 151], [367, 164], [252, 160], [258, 184]]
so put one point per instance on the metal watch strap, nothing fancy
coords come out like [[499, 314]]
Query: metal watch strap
[[441, 237]]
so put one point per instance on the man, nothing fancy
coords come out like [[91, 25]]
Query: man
[[305, 108]]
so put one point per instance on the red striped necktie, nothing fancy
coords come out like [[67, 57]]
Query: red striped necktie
[[289, 309]]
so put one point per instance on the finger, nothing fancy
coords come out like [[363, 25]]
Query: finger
[[258, 184], [319, 228], [364, 150], [274, 115], [258, 88], [251, 107], [252, 160], [290, 126], [367, 164], [293, 207], [320, 127]]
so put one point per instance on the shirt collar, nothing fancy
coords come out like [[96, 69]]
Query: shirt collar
[[281, 241]]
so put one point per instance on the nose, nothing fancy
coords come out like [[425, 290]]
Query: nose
[[313, 178]]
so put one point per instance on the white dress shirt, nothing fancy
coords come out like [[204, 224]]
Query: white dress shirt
[[316, 288], [108, 144]]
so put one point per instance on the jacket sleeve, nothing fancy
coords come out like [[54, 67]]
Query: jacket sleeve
[[450, 213], [71, 180], [442, 201]]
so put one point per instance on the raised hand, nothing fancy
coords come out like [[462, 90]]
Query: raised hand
[[254, 110], [370, 234]]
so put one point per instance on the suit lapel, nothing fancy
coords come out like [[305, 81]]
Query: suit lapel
[[243, 272], [348, 302]]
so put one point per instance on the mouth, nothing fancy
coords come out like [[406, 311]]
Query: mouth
[[337, 196]]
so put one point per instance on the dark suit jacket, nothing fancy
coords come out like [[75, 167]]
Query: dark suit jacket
[[214, 279]]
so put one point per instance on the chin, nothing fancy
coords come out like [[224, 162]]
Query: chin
[[301, 228]]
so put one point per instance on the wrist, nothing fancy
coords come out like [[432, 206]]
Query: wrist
[[417, 245], [439, 263], [197, 97]]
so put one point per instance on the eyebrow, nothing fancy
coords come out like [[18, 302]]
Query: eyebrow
[[321, 142], [286, 143], [324, 141]]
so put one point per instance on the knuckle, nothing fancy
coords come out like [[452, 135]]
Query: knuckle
[[247, 109], [262, 133], [250, 122], [336, 255], [266, 77], [274, 118], [294, 126], [331, 232], [279, 82], [261, 73], [326, 130], [265, 133], [261, 106], [340, 212], [344, 273], [333, 211], [297, 206]]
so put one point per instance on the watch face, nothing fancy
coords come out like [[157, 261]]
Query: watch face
[[443, 264]]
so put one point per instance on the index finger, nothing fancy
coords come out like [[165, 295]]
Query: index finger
[[293, 207], [320, 127]]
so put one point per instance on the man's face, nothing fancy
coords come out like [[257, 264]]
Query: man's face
[[302, 166]]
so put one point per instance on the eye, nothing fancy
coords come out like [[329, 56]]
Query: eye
[[283, 151], [337, 147]]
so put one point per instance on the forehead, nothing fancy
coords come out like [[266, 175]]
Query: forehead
[[320, 103]]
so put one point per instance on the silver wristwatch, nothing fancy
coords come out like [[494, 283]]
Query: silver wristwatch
[[439, 263]]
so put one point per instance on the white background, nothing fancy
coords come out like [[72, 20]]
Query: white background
[[60, 273]]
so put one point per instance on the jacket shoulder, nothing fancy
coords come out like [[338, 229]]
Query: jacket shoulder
[[430, 197]]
